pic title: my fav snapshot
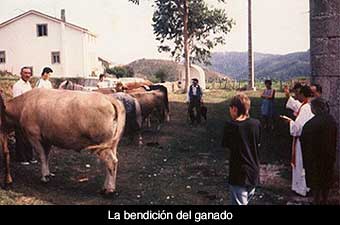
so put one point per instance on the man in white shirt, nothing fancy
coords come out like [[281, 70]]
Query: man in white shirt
[[23, 85], [44, 81], [23, 149], [101, 83]]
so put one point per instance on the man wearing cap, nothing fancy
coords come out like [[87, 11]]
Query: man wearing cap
[[194, 98], [23, 149]]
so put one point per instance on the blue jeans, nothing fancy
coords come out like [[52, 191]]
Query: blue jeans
[[241, 195]]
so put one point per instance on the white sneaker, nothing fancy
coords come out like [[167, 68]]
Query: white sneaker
[[34, 161], [24, 163]]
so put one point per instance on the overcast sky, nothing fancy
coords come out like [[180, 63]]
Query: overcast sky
[[125, 33]]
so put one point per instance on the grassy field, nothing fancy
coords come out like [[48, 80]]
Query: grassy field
[[181, 164]]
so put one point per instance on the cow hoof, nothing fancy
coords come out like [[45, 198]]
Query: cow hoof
[[51, 175], [108, 194], [45, 179]]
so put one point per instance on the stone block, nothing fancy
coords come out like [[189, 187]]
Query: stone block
[[323, 27], [324, 7], [325, 65], [330, 89]]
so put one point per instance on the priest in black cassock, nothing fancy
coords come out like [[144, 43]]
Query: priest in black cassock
[[319, 141]]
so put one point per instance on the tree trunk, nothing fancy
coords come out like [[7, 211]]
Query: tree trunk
[[251, 78], [186, 45]]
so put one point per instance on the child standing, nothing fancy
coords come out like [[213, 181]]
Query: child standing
[[267, 107], [242, 137]]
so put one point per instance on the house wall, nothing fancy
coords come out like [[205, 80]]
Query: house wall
[[195, 72], [23, 47], [325, 54]]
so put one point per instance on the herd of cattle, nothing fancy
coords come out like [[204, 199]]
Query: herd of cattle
[[69, 118]]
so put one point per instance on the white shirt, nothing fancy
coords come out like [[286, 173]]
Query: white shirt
[[101, 84], [304, 116], [293, 104], [194, 92], [20, 87], [44, 84]]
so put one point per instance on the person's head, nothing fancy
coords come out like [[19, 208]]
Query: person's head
[[268, 84], [101, 77], [316, 90], [296, 88], [46, 73], [194, 81], [26, 73], [304, 93], [239, 106], [319, 106]]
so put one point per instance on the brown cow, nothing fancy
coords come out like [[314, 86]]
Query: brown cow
[[152, 101], [69, 120]]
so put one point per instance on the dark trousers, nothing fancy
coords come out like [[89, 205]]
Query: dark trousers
[[23, 149], [195, 103]]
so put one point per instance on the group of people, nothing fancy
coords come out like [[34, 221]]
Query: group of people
[[314, 144], [23, 149], [314, 133], [313, 129]]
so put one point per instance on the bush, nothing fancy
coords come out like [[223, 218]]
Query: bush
[[121, 71], [161, 76]]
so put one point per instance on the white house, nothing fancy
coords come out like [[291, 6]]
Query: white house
[[37, 40]]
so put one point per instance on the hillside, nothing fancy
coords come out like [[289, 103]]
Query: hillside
[[280, 67], [149, 67]]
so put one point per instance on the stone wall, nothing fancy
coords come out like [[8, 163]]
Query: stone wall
[[325, 52]]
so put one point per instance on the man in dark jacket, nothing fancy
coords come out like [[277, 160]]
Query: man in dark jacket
[[319, 141], [195, 99]]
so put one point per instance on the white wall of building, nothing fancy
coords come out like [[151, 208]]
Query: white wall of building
[[23, 47], [195, 72]]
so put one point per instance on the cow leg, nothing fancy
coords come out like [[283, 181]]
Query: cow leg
[[47, 148], [45, 171], [8, 178], [139, 122], [109, 157], [148, 121], [140, 138], [160, 116]]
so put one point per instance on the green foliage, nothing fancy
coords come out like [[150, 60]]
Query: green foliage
[[121, 71], [161, 75], [207, 28]]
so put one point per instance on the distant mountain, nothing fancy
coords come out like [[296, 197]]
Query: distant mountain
[[280, 67], [149, 67]]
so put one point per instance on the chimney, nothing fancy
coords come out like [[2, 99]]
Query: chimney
[[62, 16]]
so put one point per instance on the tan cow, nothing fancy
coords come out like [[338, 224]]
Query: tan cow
[[69, 120], [152, 101]]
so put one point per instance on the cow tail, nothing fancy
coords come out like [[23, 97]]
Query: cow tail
[[2, 109], [120, 117], [166, 103]]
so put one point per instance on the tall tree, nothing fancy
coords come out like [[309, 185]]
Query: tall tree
[[189, 28]]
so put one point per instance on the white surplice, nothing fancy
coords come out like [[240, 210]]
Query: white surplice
[[304, 114]]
